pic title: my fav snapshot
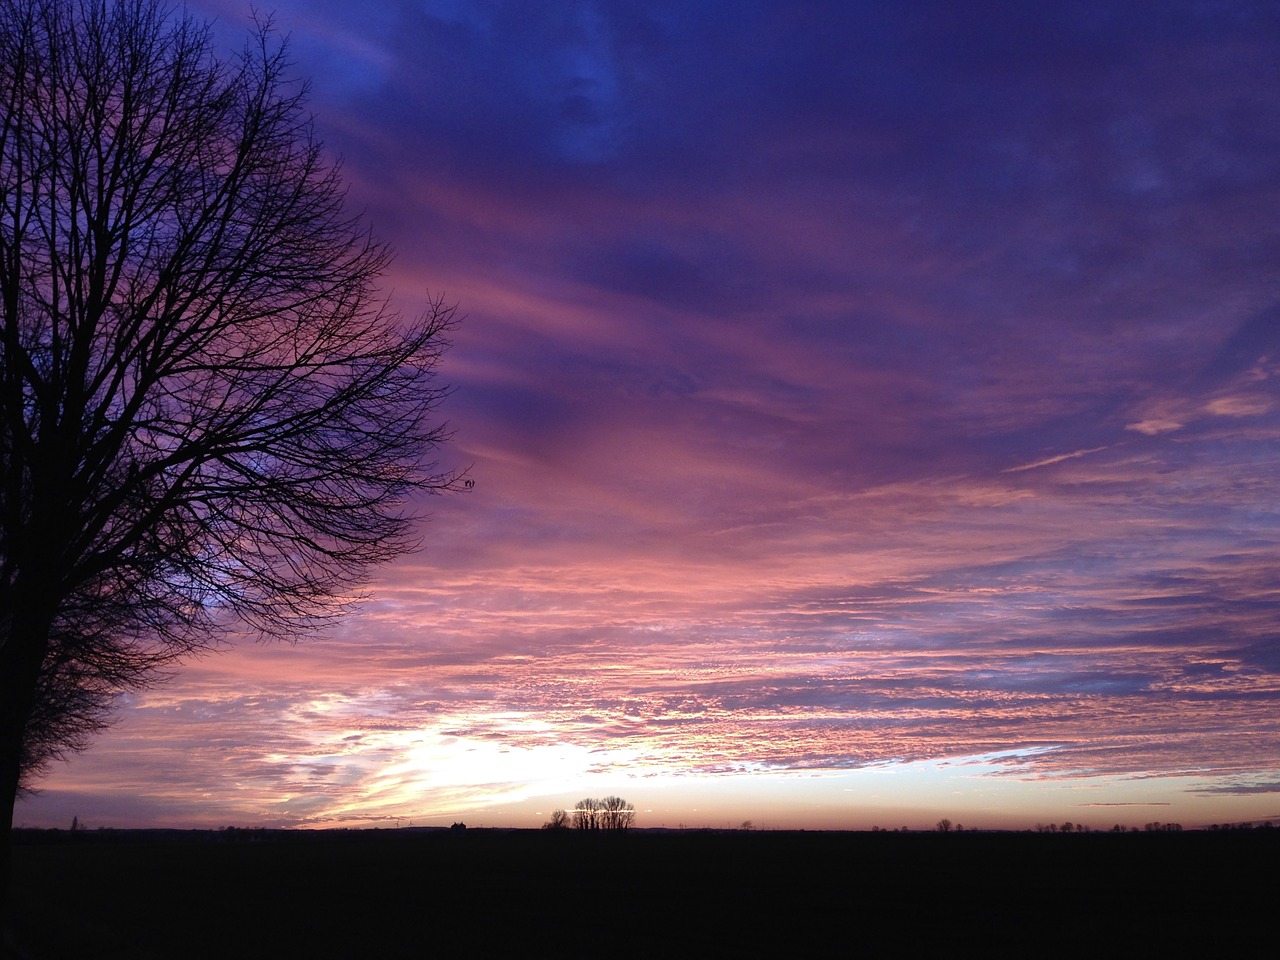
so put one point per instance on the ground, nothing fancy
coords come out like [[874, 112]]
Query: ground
[[411, 893]]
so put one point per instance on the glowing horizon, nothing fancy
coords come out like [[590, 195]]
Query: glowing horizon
[[874, 417]]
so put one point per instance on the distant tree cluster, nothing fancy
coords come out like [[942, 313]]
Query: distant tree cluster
[[612, 814]]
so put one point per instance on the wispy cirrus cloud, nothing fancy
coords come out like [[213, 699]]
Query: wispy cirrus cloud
[[844, 390]]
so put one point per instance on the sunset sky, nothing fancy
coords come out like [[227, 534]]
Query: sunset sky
[[874, 414]]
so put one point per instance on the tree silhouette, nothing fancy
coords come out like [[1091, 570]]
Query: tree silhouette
[[210, 421], [586, 814], [610, 813], [616, 814]]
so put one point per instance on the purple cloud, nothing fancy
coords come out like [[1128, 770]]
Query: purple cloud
[[844, 386]]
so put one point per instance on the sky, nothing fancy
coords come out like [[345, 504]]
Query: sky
[[873, 410]]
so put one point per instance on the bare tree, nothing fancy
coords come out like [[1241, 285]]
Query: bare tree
[[610, 813], [210, 421], [559, 821], [586, 814], [616, 814]]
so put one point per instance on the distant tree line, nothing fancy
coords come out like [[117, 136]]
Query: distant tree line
[[609, 814], [614, 814]]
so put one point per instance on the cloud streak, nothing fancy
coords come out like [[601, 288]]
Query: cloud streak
[[845, 389]]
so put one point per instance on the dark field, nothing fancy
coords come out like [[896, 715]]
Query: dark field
[[483, 893]]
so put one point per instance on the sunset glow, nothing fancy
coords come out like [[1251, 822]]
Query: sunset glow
[[873, 412]]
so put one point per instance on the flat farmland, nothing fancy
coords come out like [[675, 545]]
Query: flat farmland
[[419, 893]]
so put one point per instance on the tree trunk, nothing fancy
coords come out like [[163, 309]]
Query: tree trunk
[[21, 656], [8, 794]]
